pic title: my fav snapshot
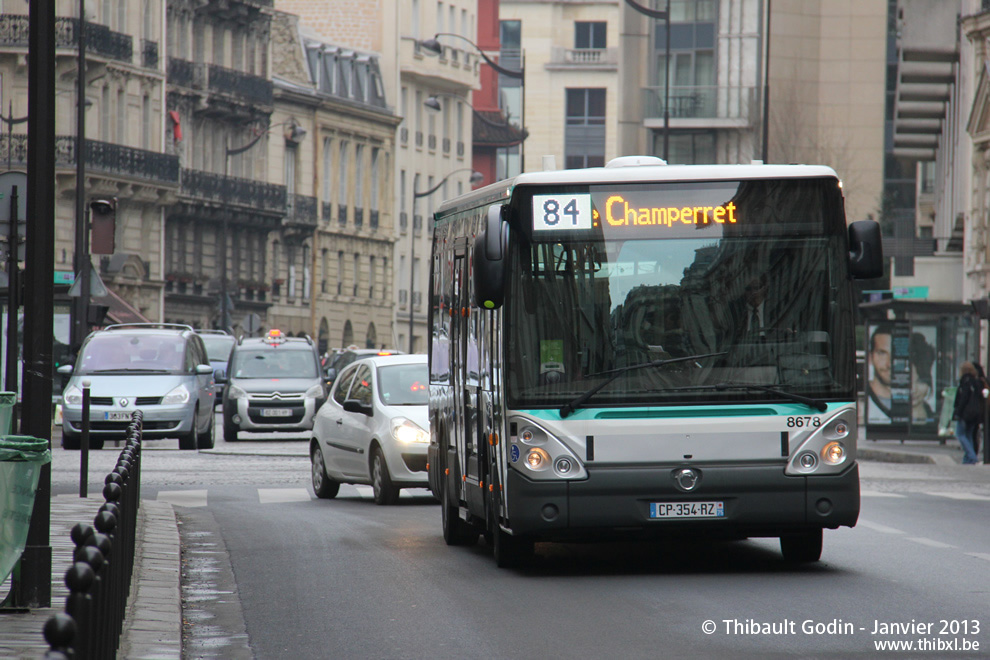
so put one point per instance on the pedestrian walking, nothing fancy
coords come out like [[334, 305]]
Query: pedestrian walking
[[968, 409], [985, 388]]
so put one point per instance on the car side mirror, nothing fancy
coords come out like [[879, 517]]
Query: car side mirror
[[202, 369], [355, 406], [65, 369], [220, 375], [331, 374]]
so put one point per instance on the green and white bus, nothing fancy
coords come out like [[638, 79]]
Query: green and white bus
[[646, 350]]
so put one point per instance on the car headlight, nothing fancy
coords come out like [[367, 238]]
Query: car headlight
[[408, 432], [72, 396], [315, 392], [234, 392], [179, 395]]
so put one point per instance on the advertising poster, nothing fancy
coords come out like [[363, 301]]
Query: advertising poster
[[901, 382]]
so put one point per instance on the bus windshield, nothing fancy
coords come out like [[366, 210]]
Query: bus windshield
[[757, 291]]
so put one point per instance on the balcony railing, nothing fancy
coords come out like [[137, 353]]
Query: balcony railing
[[584, 57], [301, 210], [342, 215], [373, 219], [701, 102], [220, 80], [358, 216], [100, 40], [101, 157], [326, 211], [233, 190]]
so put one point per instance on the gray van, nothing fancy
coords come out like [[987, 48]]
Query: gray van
[[274, 384], [161, 369]]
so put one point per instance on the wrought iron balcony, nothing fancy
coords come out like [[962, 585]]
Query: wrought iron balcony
[[326, 211], [358, 216], [100, 40], [101, 157], [301, 210], [234, 190], [373, 218], [220, 80], [701, 102]]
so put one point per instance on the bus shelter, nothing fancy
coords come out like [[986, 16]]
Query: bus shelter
[[912, 353]]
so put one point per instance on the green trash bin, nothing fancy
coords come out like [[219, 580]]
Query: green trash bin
[[7, 402], [21, 460]]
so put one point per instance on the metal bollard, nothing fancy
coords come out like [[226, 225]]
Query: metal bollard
[[84, 442]]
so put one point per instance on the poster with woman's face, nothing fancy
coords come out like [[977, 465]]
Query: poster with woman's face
[[924, 399]]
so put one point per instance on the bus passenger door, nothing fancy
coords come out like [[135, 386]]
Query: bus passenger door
[[465, 356]]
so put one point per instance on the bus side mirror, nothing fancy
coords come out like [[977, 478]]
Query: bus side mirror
[[865, 250], [490, 256]]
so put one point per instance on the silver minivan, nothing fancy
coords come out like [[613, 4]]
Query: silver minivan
[[161, 369]]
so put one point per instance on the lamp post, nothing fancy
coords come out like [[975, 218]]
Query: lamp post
[[661, 16], [434, 47], [295, 134], [476, 177]]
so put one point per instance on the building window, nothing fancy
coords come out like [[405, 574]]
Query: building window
[[693, 33], [584, 134], [694, 148], [327, 169], [357, 273], [372, 279], [340, 272], [589, 34]]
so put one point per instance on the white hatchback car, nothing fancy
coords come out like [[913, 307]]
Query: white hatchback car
[[374, 428]]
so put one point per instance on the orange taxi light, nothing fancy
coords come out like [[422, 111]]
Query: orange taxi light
[[274, 333]]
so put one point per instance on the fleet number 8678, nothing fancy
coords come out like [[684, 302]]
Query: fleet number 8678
[[801, 422]]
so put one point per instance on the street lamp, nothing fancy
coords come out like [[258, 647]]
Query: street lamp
[[294, 133], [476, 178], [661, 16], [434, 47]]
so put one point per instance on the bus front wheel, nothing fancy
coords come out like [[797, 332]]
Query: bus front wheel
[[803, 547]]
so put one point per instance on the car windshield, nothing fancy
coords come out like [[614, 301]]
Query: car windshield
[[109, 352], [273, 363], [403, 385], [218, 347]]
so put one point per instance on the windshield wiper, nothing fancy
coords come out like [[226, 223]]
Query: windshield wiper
[[817, 404], [568, 408]]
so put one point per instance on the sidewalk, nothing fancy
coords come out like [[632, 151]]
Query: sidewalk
[[153, 624]]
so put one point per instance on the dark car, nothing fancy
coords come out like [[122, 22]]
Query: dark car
[[273, 383], [218, 345], [345, 357]]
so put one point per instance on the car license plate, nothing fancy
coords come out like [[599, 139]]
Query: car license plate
[[276, 412], [667, 510], [117, 416]]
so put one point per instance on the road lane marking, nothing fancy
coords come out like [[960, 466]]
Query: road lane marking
[[878, 493], [188, 498], [876, 527], [931, 543], [959, 496], [280, 495], [980, 555]]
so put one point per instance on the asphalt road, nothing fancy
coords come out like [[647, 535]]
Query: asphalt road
[[272, 572]]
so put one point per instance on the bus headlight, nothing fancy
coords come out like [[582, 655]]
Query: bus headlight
[[538, 453], [834, 453], [538, 459]]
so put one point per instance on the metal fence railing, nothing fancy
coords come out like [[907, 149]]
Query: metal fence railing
[[99, 579]]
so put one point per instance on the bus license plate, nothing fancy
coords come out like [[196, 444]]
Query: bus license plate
[[668, 510], [117, 416], [276, 412]]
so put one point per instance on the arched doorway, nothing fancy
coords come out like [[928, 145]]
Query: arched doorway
[[371, 338], [348, 338], [323, 338]]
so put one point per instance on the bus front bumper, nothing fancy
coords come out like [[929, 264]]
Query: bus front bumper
[[757, 500]]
